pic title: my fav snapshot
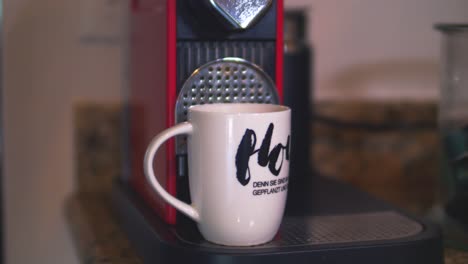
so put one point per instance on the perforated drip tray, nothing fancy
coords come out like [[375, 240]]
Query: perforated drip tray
[[339, 225], [321, 230], [335, 229]]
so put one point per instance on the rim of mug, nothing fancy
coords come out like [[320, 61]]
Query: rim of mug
[[239, 108]]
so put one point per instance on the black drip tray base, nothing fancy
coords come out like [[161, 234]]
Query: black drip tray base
[[341, 225]]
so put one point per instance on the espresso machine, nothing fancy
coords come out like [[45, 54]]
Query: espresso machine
[[184, 53], [189, 52]]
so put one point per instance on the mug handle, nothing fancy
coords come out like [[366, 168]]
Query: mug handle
[[158, 140]]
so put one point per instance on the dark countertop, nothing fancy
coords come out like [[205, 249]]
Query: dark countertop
[[97, 236], [348, 137], [99, 239]]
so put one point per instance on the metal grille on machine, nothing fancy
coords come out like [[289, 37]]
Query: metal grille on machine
[[226, 80], [192, 54]]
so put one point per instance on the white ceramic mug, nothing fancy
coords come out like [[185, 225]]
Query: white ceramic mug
[[238, 157]]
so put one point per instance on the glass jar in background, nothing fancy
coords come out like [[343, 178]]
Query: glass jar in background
[[453, 124]]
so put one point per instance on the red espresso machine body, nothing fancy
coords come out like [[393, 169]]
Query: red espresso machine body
[[186, 52]]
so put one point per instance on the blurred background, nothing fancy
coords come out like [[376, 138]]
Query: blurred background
[[57, 53]]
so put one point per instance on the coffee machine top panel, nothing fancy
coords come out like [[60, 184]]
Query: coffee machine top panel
[[240, 14], [236, 20]]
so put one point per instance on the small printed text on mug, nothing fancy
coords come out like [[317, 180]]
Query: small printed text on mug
[[270, 187]]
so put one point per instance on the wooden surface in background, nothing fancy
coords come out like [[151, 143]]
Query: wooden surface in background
[[388, 149]]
